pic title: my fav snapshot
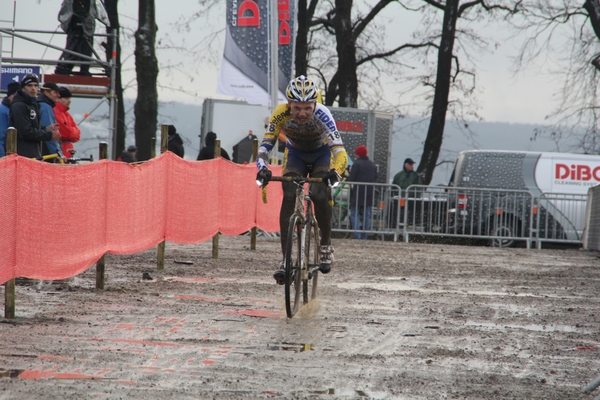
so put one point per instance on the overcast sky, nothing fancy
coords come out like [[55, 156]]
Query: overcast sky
[[525, 98]]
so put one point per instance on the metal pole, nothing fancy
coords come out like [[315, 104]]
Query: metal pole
[[113, 99], [0, 59], [274, 47], [82, 56], [274, 63]]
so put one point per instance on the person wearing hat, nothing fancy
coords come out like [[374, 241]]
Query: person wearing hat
[[47, 101], [407, 176], [69, 131], [11, 90], [129, 155], [208, 151], [175, 143], [25, 118], [361, 196]]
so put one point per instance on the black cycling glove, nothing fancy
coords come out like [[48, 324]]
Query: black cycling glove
[[331, 178], [263, 176]]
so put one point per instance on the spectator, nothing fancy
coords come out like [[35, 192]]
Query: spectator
[[47, 100], [69, 131], [25, 117], [407, 176], [129, 155], [361, 196], [175, 143], [78, 19], [208, 151], [5, 114]]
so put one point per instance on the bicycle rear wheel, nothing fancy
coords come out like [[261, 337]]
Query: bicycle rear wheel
[[312, 257], [293, 266]]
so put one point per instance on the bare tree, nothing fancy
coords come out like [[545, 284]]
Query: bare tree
[[446, 73], [306, 12], [559, 31], [146, 65]]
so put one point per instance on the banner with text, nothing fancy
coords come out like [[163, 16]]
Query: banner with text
[[244, 69]]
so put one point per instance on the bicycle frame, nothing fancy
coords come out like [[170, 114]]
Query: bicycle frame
[[299, 270]]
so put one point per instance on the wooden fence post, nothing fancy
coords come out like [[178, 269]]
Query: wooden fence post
[[254, 231], [101, 264], [215, 246], [160, 250], [9, 286]]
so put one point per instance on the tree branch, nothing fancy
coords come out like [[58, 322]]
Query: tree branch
[[363, 22], [391, 52]]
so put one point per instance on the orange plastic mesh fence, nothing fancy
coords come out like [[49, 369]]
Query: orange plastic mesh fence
[[58, 220]]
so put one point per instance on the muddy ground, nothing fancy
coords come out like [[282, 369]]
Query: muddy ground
[[393, 320]]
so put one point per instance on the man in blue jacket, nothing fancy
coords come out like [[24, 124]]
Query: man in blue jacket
[[5, 114], [47, 101]]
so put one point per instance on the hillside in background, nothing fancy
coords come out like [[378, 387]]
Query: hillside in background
[[407, 141]]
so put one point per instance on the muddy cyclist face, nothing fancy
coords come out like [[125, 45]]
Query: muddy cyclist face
[[302, 111]]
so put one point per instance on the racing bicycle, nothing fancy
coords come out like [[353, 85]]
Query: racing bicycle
[[302, 248]]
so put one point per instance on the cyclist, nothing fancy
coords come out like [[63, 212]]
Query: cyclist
[[312, 139]]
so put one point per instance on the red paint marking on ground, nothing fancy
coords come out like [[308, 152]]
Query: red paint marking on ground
[[190, 361], [105, 371], [70, 375], [208, 362], [51, 374], [34, 374], [257, 313], [159, 319], [152, 368], [209, 299], [126, 327], [586, 347], [126, 382]]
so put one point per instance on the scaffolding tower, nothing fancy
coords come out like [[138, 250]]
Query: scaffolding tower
[[97, 86]]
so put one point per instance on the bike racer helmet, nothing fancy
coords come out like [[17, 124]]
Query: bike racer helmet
[[302, 89]]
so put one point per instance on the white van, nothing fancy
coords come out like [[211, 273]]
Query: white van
[[558, 182]]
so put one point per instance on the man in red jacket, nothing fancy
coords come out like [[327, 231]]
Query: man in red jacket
[[69, 131]]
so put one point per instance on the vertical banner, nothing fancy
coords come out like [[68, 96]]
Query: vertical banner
[[244, 70]]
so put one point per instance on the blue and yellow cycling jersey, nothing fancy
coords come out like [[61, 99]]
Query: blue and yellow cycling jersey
[[320, 130]]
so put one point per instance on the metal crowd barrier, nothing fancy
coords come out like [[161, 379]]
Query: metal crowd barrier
[[503, 216], [560, 218], [366, 209]]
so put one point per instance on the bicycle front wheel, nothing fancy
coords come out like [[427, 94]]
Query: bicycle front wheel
[[293, 265], [312, 257]]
